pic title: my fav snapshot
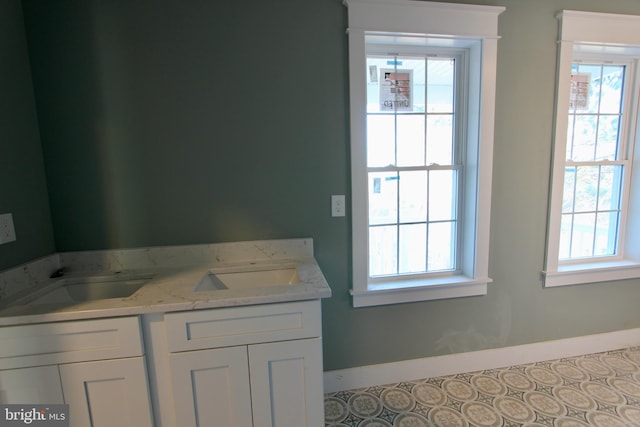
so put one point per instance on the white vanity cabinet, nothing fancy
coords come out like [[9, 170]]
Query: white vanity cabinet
[[247, 366], [95, 366]]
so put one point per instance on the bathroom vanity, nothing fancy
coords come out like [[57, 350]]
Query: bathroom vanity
[[222, 335]]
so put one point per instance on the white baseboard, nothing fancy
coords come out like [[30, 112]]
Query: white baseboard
[[388, 373]]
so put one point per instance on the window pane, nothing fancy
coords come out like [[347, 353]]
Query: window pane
[[396, 91], [565, 236], [441, 246], [608, 129], [606, 234], [440, 89], [586, 188], [440, 139], [568, 192], [381, 150], [611, 89], [610, 188], [583, 233], [594, 74], [584, 138], [383, 250], [580, 88], [383, 198], [443, 188], [417, 87], [410, 140], [374, 65], [570, 137], [413, 248], [413, 196]]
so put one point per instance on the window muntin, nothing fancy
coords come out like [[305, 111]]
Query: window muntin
[[595, 162], [413, 163]]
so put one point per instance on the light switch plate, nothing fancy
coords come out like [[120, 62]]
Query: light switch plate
[[338, 205], [7, 232]]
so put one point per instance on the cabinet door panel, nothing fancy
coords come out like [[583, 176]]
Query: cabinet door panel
[[211, 388], [286, 383], [107, 393], [38, 385]]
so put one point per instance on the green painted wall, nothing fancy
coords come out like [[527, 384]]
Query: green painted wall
[[168, 122], [23, 190]]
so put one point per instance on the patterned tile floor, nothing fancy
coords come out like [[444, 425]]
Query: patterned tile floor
[[593, 390]]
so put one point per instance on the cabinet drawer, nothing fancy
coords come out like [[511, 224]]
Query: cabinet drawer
[[222, 327], [65, 342]]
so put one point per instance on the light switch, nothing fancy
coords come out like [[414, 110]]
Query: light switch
[[338, 207], [7, 232]]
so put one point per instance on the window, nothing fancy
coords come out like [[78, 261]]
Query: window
[[412, 163], [422, 85], [593, 192]]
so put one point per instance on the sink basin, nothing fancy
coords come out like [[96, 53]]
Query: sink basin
[[74, 290], [258, 278]]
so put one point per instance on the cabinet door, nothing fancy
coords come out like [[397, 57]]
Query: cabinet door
[[286, 383], [211, 387], [38, 385], [107, 393]]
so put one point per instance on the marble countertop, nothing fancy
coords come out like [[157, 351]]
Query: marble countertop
[[171, 284]]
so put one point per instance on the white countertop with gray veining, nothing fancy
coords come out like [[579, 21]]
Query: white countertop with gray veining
[[172, 274]]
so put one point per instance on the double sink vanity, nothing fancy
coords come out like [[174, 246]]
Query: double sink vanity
[[224, 334]]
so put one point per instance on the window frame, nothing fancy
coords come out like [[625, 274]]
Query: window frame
[[474, 29], [596, 38]]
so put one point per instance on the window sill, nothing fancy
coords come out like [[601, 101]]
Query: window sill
[[401, 291], [576, 274]]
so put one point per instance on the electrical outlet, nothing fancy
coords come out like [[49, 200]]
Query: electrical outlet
[[7, 232], [338, 205]]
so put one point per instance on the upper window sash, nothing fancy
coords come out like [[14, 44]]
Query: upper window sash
[[626, 108]]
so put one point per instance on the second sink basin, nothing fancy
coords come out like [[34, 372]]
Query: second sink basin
[[83, 289], [243, 279]]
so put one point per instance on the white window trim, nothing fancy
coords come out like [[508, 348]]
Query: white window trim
[[598, 34], [471, 26]]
